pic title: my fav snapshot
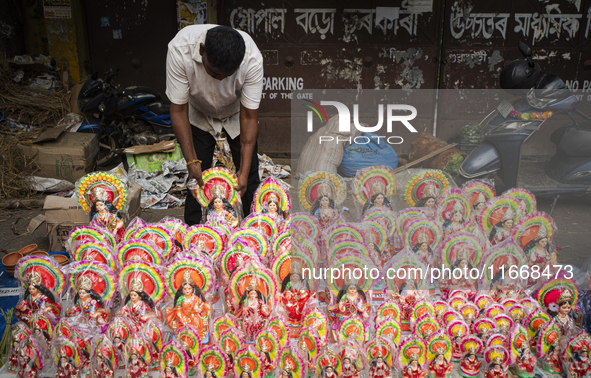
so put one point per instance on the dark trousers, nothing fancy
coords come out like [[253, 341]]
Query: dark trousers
[[204, 144]]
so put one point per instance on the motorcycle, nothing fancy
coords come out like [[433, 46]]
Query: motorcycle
[[123, 117], [569, 170]]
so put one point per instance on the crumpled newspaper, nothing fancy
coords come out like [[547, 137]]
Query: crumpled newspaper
[[156, 186], [267, 168]]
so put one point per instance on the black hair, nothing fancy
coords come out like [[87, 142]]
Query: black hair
[[498, 277], [448, 222], [245, 295], [290, 375], [457, 263], [287, 280], [500, 224], [344, 290], [173, 371], [43, 290], [422, 202], [110, 208], [140, 358], [143, 296], [106, 361], [531, 245], [247, 373], [92, 294], [196, 290], [370, 204], [224, 48], [418, 246], [316, 205], [227, 206], [266, 208], [211, 372]]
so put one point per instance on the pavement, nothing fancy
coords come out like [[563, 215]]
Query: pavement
[[572, 238]]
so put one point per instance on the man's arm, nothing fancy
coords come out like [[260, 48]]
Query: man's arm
[[179, 116], [249, 130]]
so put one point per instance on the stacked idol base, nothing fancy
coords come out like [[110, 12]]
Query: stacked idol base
[[308, 294]]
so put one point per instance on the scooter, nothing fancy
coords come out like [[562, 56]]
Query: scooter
[[123, 117], [504, 131]]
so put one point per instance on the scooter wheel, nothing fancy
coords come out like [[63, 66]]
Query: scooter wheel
[[107, 146]]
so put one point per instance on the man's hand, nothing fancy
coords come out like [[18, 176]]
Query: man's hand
[[242, 182], [179, 116], [249, 131], [195, 173]]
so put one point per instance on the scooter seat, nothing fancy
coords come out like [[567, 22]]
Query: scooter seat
[[573, 141], [159, 108]]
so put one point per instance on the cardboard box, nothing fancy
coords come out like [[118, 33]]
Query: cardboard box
[[63, 214], [69, 157], [152, 162]]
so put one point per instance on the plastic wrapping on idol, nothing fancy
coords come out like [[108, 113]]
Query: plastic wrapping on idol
[[140, 250], [254, 240], [94, 286], [350, 290], [189, 339], [67, 358], [174, 362], [459, 251], [230, 340], [549, 349], [309, 345], [497, 361], [191, 283], [248, 363], [43, 283], [178, 229], [297, 294], [137, 357], [142, 288], [376, 241], [498, 217], [104, 361], [133, 226], [96, 251], [252, 297], [353, 357], [30, 359], [498, 260], [160, 235], [439, 351], [213, 363], [412, 357], [424, 188], [103, 196], [373, 189], [321, 195], [525, 200], [268, 345], [522, 359], [272, 199], [407, 281], [558, 298], [20, 333], [220, 201], [575, 357], [534, 235], [82, 234], [423, 237], [263, 224], [453, 212], [292, 364], [205, 238], [478, 193]]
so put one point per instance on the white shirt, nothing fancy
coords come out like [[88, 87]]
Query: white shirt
[[213, 104]]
